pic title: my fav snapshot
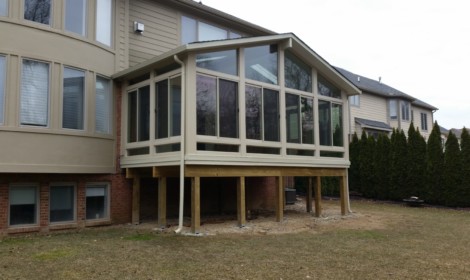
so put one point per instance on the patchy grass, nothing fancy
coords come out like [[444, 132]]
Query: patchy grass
[[381, 241]]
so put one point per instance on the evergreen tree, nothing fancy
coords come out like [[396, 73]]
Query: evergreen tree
[[399, 165], [465, 155], [365, 165], [434, 167], [416, 172], [452, 171], [382, 166], [354, 168]]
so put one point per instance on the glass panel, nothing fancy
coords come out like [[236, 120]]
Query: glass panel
[[261, 64], [23, 208], [217, 147], [38, 11], [168, 148], [138, 151], [325, 88], [175, 109], [132, 117], [296, 152], [62, 201], [34, 93], [262, 150], [103, 21], [75, 16], [271, 115], [206, 103], [253, 111], [331, 154], [223, 61], [96, 202], [144, 113], [337, 124], [2, 86], [161, 109], [73, 99], [307, 120], [188, 30], [298, 75], [103, 105], [325, 122], [393, 109], [3, 7], [228, 109], [292, 118], [233, 35], [405, 110], [209, 32]]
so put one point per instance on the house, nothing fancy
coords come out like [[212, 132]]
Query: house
[[381, 108], [111, 109]]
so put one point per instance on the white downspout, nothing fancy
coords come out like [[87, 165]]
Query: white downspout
[[182, 145]]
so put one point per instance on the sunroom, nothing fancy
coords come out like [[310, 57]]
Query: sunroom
[[250, 107]]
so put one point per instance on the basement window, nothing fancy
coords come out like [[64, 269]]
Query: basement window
[[97, 201], [23, 205]]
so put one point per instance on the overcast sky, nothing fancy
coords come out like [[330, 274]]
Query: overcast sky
[[420, 47]]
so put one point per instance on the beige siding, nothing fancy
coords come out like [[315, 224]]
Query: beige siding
[[370, 107], [417, 120], [122, 36]]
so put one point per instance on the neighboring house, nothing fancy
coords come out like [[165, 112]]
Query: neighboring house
[[381, 108], [105, 104]]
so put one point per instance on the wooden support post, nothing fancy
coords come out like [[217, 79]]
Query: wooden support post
[[136, 199], [280, 199], [241, 215], [318, 196], [161, 202], [342, 194], [195, 204], [309, 195]]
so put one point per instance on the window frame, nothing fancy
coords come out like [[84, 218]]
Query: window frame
[[331, 129], [110, 102], [405, 110], [84, 18], [36, 214], [51, 13], [393, 109], [355, 100], [107, 199], [138, 115], [98, 36], [74, 202], [170, 124], [83, 95], [424, 121]]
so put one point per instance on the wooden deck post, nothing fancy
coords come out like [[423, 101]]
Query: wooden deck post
[[317, 196], [136, 199], [195, 204], [162, 202], [342, 194], [309, 195], [280, 199], [241, 215]]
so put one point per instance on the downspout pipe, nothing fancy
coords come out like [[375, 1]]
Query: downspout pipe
[[182, 145]]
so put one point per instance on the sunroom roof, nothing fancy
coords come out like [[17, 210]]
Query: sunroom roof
[[288, 40]]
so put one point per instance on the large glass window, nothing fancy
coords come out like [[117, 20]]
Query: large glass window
[[217, 107], [168, 108], [331, 123], [75, 16], [96, 201], [3, 7], [2, 86], [326, 88], [207, 32], [34, 104], [299, 119], [103, 105], [262, 113], [23, 205], [392, 107], [261, 64], [38, 11], [424, 122], [271, 115], [104, 21], [73, 99], [61, 203], [139, 115], [188, 30], [405, 110], [193, 30], [337, 124], [307, 120], [223, 61], [298, 75]]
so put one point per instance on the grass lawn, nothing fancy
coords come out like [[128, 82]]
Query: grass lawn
[[380, 241]]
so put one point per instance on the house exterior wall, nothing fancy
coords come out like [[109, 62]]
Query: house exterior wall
[[371, 107], [417, 120]]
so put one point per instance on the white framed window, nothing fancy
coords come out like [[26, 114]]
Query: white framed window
[[424, 121], [3, 8], [76, 16], [38, 11], [298, 75], [299, 119], [405, 110], [262, 113], [393, 110], [23, 205], [331, 123], [34, 104], [355, 100], [73, 103], [97, 201], [168, 108], [2, 87], [138, 122], [103, 105], [61, 203], [104, 21]]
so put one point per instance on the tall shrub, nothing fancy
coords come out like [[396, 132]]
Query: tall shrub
[[434, 167], [452, 171], [465, 155], [354, 168], [416, 171], [399, 165], [382, 166]]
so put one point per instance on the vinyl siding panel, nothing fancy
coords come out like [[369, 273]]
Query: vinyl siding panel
[[417, 120], [122, 17], [370, 107]]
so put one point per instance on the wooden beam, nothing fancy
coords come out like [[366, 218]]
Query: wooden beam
[[136, 199], [317, 196], [342, 194], [280, 199], [309, 195], [230, 171], [165, 171], [162, 183], [241, 213], [195, 204]]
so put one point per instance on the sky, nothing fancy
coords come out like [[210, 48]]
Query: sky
[[420, 47]]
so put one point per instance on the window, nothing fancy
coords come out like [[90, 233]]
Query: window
[[298, 75], [168, 108], [331, 123], [61, 203], [392, 105], [405, 110], [34, 93], [355, 100], [193, 30], [73, 104], [103, 21], [103, 103], [139, 115], [223, 61], [3, 7], [217, 107], [23, 205], [424, 122], [326, 88], [76, 16], [299, 119], [262, 113], [96, 201], [38, 11], [2, 86], [261, 64], [207, 32]]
